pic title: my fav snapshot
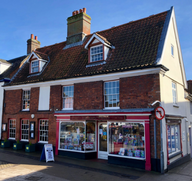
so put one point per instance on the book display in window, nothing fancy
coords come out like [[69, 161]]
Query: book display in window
[[127, 139], [73, 137]]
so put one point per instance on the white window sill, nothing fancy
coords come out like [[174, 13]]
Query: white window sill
[[172, 155], [25, 109], [24, 140], [176, 105], [44, 142], [108, 108], [11, 138], [66, 109]]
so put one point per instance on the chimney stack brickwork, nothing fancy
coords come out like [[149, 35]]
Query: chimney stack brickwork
[[32, 44], [78, 26]]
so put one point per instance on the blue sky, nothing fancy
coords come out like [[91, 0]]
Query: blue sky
[[47, 20]]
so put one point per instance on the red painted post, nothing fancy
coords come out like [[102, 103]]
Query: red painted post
[[57, 138], [147, 146]]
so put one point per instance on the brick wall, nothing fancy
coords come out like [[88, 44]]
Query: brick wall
[[12, 101], [139, 91], [88, 96], [56, 97], [13, 110]]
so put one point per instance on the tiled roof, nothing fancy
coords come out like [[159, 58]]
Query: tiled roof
[[104, 39], [15, 65], [136, 44], [41, 55]]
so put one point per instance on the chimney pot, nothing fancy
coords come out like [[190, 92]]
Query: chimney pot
[[35, 37], [74, 13], [84, 10], [77, 12], [81, 10], [32, 36]]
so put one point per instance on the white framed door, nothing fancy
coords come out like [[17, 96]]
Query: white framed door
[[102, 141]]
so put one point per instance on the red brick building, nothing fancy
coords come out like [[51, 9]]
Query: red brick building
[[94, 95]]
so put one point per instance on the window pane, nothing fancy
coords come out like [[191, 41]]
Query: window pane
[[72, 136], [43, 130], [112, 94], [127, 139], [68, 93]]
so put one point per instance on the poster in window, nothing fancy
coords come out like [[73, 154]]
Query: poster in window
[[32, 126], [4, 127]]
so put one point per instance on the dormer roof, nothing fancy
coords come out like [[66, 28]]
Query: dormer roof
[[100, 38], [41, 55]]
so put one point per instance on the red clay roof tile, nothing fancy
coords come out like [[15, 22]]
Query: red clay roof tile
[[135, 43]]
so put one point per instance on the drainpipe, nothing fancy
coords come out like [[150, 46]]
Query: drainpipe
[[155, 140], [161, 133], [162, 153]]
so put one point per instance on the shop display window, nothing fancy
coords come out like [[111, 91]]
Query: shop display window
[[127, 139], [77, 136], [173, 138]]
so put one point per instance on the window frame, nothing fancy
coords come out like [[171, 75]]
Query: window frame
[[85, 134], [35, 66], [39, 131], [26, 99], [174, 91], [117, 94], [100, 45], [64, 97], [178, 138], [24, 129], [13, 138]]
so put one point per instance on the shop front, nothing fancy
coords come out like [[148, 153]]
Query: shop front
[[122, 139]]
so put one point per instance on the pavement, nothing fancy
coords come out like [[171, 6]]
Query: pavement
[[18, 165]]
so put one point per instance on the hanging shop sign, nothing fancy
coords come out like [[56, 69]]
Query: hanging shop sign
[[159, 113]]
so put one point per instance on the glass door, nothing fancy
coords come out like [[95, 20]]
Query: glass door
[[102, 140]]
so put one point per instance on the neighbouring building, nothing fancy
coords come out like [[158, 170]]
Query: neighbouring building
[[95, 95]]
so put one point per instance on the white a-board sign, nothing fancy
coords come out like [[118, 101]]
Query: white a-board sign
[[49, 152]]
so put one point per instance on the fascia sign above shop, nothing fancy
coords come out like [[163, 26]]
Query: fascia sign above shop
[[159, 113]]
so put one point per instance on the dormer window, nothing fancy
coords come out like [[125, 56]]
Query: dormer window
[[98, 48], [34, 66], [37, 62], [96, 53]]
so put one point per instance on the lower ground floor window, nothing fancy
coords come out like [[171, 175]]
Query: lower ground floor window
[[127, 139], [12, 128], [173, 134], [79, 136], [25, 129], [43, 130]]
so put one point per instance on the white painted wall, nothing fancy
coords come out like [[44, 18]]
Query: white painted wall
[[175, 74], [44, 98], [4, 67]]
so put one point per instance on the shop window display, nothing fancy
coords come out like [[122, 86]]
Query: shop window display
[[173, 138], [77, 136], [127, 139]]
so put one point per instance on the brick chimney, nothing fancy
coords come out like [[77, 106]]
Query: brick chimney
[[78, 26], [32, 44], [189, 84]]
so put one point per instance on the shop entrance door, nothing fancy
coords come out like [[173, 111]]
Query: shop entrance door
[[102, 140]]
